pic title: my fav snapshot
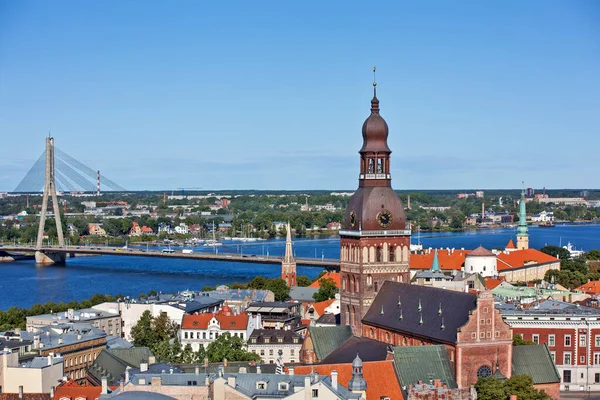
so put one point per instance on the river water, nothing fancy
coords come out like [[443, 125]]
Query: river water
[[22, 284]]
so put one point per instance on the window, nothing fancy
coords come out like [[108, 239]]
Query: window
[[379, 253], [582, 360], [267, 340], [375, 287], [262, 352], [185, 335], [253, 340], [484, 371], [295, 340], [567, 358], [283, 386], [550, 340], [596, 358], [597, 340], [536, 339], [315, 393], [582, 340], [279, 340], [597, 378], [261, 385], [391, 256], [567, 340], [567, 376], [482, 322], [271, 352], [203, 335], [553, 356], [292, 352]]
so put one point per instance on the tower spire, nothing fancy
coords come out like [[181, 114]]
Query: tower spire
[[375, 101], [288, 263], [522, 230]]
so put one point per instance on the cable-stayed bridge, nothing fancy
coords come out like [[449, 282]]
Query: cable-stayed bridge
[[70, 175]]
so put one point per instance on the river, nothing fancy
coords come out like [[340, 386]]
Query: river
[[23, 284]]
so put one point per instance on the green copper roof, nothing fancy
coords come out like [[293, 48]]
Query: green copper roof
[[423, 363], [522, 229], [328, 338], [535, 361], [435, 265]]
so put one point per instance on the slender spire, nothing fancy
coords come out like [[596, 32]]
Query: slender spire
[[435, 265], [375, 101], [289, 255], [522, 229]]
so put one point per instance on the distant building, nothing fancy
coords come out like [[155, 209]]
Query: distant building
[[96, 230], [36, 375], [530, 192], [544, 216], [479, 194], [135, 230], [276, 315], [108, 322]]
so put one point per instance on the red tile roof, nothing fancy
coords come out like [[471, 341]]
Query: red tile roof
[[72, 390], [321, 306], [227, 322], [520, 258], [329, 275], [380, 377], [448, 262], [511, 244], [592, 287], [491, 283]]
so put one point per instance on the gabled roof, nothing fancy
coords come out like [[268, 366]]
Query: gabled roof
[[422, 363], [366, 349], [447, 262], [72, 390], [380, 376], [329, 319], [427, 322], [322, 305], [227, 322], [518, 259], [511, 244], [113, 362], [491, 283], [326, 339], [303, 293], [329, 275], [258, 336], [534, 360]]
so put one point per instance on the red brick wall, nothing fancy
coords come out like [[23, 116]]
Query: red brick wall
[[483, 341]]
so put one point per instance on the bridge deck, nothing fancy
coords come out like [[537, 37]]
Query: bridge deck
[[115, 251]]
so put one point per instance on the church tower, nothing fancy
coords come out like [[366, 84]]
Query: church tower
[[522, 230], [288, 263], [374, 241]]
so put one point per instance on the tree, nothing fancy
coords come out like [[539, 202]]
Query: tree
[[327, 290], [490, 389], [229, 347], [519, 341], [279, 288], [142, 333], [303, 281], [593, 255], [556, 251]]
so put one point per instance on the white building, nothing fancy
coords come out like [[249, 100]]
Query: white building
[[544, 216], [268, 343], [38, 375], [182, 229], [202, 329], [132, 312], [481, 261]]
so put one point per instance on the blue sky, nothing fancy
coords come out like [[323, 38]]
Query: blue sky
[[272, 94]]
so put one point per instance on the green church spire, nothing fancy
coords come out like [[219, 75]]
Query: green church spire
[[522, 229], [435, 265]]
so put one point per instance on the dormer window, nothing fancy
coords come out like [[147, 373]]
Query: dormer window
[[261, 385], [267, 340], [279, 340], [283, 386], [253, 340], [295, 340]]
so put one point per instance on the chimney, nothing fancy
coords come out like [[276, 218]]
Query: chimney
[[291, 371], [21, 392], [225, 362], [197, 370], [258, 368], [334, 379], [307, 382], [60, 341], [151, 360], [52, 392], [205, 362], [36, 342], [171, 370], [79, 337], [144, 366], [207, 380], [49, 360], [513, 397], [231, 381], [104, 385], [127, 373]]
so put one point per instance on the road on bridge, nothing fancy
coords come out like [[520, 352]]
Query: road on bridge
[[119, 251]]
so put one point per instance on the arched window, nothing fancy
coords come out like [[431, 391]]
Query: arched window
[[352, 316], [344, 282], [371, 169], [369, 280], [387, 337], [380, 165], [484, 371], [379, 254], [471, 268], [375, 286], [371, 332], [348, 315], [351, 284], [354, 286], [391, 256]]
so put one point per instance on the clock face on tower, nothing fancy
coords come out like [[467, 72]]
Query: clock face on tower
[[384, 218], [352, 219]]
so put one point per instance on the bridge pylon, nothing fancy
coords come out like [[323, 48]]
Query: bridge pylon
[[49, 190]]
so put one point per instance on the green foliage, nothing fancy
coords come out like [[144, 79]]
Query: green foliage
[[303, 281], [593, 255], [229, 347], [556, 251], [491, 388], [518, 340], [327, 290], [153, 331], [275, 285]]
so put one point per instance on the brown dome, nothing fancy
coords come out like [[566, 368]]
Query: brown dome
[[368, 202], [375, 131]]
